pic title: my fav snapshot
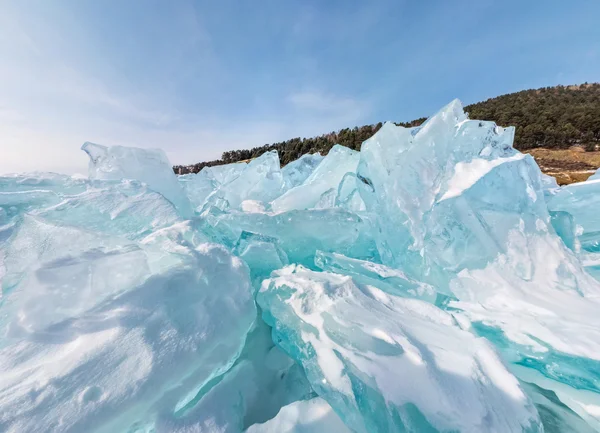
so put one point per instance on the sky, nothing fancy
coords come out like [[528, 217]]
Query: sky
[[196, 78]]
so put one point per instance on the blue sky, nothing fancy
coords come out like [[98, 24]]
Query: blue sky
[[199, 77]]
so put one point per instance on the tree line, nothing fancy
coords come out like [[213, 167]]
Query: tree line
[[551, 117]]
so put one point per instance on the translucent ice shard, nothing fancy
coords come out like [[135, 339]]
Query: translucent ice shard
[[200, 185], [299, 233], [328, 174], [327, 199], [177, 240], [150, 166], [57, 183], [261, 180], [550, 185], [391, 364], [124, 208], [260, 382], [389, 280], [296, 172], [21, 193], [581, 200], [430, 169], [565, 227], [309, 416], [348, 195], [223, 174], [555, 415], [579, 224], [262, 254]]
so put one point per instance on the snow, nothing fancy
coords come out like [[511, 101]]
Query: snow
[[434, 281], [466, 174]]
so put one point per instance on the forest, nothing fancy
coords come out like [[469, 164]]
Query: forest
[[552, 117]]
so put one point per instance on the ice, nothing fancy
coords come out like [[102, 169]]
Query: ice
[[150, 166], [389, 280], [309, 416], [223, 174], [262, 254], [434, 281], [327, 199], [200, 185], [575, 218], [386, 363], [296, 172], [126, 208], [90, 360], [58, 183], [260, 180], [555, 415], [430, 169], [21, 193], [348, 195], [50, 278], [260, 382], [328, 174], [472, 214], [300, 234], [581, 201]]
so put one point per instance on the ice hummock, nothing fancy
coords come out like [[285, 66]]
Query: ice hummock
[[381, 361], [327, 174], [150, 166], [434, 281]]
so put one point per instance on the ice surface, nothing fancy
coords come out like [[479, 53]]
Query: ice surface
[[260, 382], [262, 254], [260, 180], [328, 174], [348, 195], [296, 172], [581, 201], [30, 192], [199, 186], [309, 416], [125, 208], [471, 214], [150, 166], [42, 181], [386, 363], [555, 415], [50, 278], [431, 170], [299, 233], [223, 174], [100, 360], [434, 281], [389, 280]]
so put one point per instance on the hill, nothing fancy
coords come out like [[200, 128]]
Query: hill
[[552, 118]]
